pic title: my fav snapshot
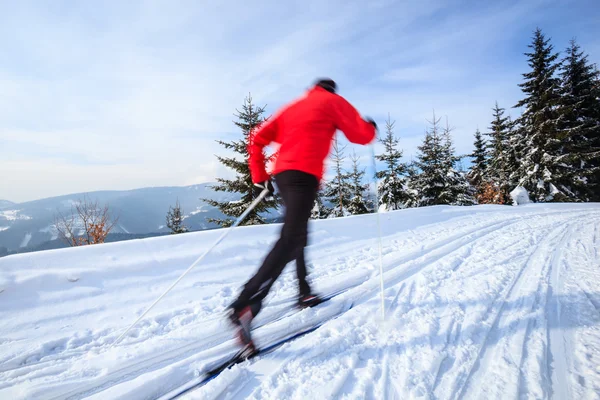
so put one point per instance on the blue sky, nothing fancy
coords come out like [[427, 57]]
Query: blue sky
[[121, 95]]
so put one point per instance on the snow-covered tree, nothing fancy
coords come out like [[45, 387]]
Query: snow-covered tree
[[477, 174], [249, 118], [579, 124], [392, 182], [431, 182], [175, 219], [358, 203], [538, 142], [499, 151], [437, 181], [412, 185], [319, 210], [337, 190], [513, 154], [462, 192], [458, 189]]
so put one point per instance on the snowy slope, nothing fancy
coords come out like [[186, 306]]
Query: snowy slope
[[481, 302]]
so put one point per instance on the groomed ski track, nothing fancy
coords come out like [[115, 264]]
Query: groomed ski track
[[481, 302]]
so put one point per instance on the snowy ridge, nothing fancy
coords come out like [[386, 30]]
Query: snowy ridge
[[481, 302]]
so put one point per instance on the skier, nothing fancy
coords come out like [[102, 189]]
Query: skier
[[304, 129]]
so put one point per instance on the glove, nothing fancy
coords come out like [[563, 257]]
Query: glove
[[370, 120], [259, 187]]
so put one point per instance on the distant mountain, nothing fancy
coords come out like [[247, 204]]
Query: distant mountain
[[5, 204], [142, 212]]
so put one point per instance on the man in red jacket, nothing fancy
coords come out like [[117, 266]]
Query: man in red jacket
[[304, 130]]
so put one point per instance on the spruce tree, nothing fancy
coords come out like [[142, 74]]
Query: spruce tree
[[438, 181], [337, 190], [478, 172], [319, 210], [580, 123], [499, 151], [175, 219], [358, 204], [392, 181], [412, 185], [458, 191], [538, 141], [249, 118], [431, 181], [513, 154]]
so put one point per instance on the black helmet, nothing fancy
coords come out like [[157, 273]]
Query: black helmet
[[327, 84]]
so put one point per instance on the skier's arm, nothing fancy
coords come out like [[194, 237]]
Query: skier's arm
[[349, 121], [260, 138]]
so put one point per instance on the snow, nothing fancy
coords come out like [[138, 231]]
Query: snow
[[51, 229], [13, 215], [480, 302], [201, 209], [3, 228], [26, 240], [520, 196]]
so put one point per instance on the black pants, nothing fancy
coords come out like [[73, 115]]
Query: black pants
[[298, 190]]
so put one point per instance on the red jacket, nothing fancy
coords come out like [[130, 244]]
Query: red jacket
[[304, 129]]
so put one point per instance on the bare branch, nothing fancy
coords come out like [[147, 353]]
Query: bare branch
[[95, 222]]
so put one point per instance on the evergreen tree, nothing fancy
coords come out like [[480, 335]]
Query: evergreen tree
[[580, 124], [438, 182], [412, 185], [462, 192], [500, 153], [458, 190], [513, 153], [392, 182], [541, 168], [357, 204], [478, 172], [249, 118], [320, 210], [337, 190], [431, 181], [175, 219]]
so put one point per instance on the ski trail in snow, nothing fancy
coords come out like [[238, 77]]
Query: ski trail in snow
[[494, 335], [526, 344], [496, 343], [559, 349], [451, 316]]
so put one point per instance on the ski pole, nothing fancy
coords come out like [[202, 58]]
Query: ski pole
[[378, 232], [262, 195]]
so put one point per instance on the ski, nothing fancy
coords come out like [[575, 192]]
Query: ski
[[240, 357], [244, 354], [294, 309], [247, 353]]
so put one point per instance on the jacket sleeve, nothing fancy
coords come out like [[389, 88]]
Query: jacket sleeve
[[259, 138], [349, 121]]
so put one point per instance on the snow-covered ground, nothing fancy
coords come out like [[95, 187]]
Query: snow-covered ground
[[480, 302]]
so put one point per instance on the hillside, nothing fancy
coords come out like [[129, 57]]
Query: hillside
[[480, 302], [5, 204], [30, 225]]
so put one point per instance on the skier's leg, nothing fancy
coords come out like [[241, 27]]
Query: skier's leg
[[297, 189], [303, 285]]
